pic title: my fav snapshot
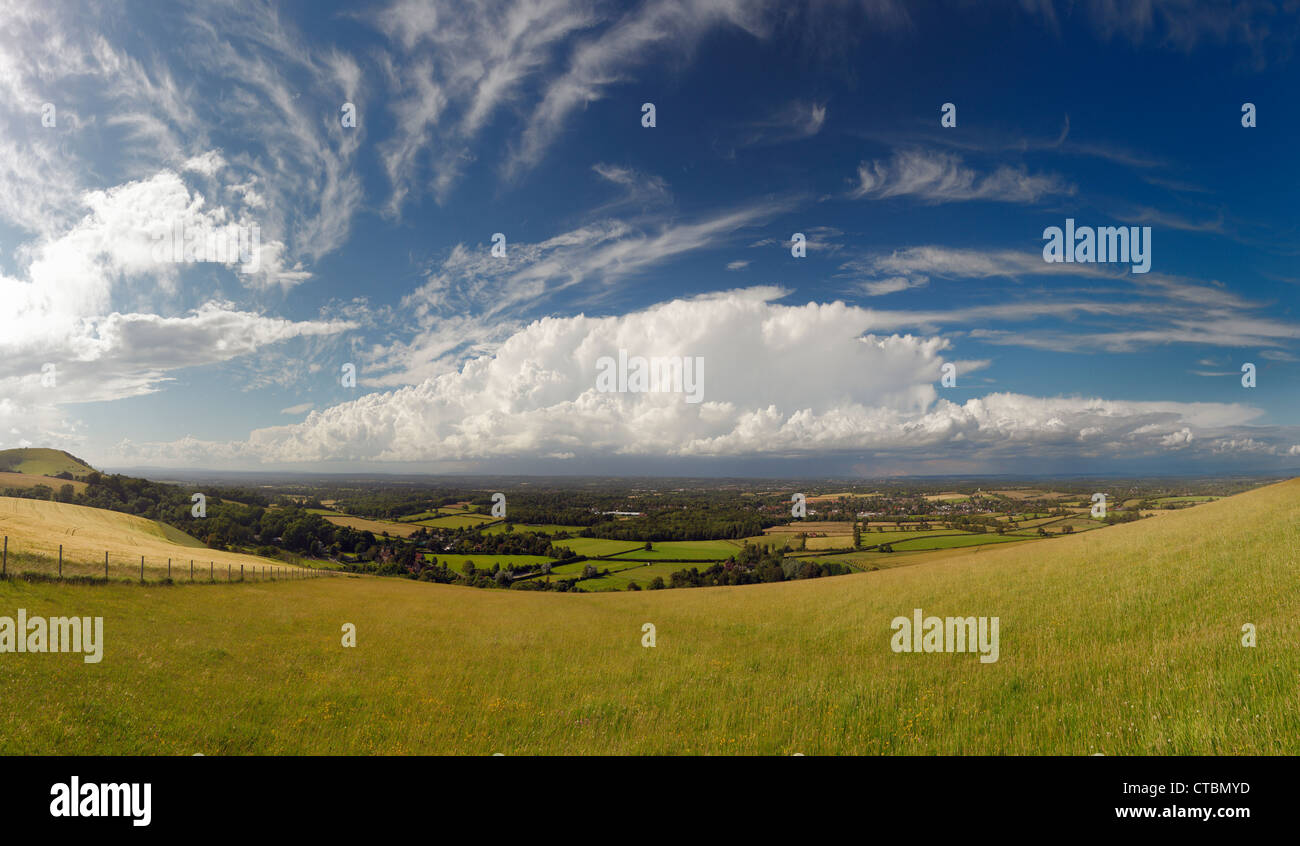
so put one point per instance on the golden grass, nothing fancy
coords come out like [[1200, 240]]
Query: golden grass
[[378, 527], [28, 480], [1125, 642], [38, 527]]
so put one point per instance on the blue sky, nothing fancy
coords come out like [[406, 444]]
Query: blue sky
[[924, 242]]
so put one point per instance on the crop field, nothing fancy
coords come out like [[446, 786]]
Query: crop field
[[28, 480], [485, 562], [541, 529], [1076, 524], [38, 528], [415, 518], [402, 528], [874, 538], [377, 527], [705, 550], [951, 541], [457, 521], [621, 573], [598, 547], [641, 573], [829, 528], [1086, 665], [829, 542]]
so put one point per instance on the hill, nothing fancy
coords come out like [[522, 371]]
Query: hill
[[1123, 642], [28, 480], [42, 462], [39, 527]]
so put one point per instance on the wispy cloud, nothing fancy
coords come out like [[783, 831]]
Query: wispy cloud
[[472, 300], [656, 29], [938, 177]]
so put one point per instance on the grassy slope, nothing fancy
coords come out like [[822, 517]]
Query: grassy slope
[[39, 526], [42, 462], [1123, 642], [28, 480]]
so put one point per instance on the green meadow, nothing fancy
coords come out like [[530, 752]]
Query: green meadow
[[42, 462], [951, 541], [456, 521], [599, 547], [1122, 642], [485, 562], [706, 550], [541, 529]]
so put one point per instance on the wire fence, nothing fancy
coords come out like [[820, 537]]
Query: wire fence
[[20, 563]]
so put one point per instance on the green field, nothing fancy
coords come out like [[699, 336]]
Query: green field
[[875, 538], [1081, 523], [641, 573], [485, 562], [706, 550], [1122, 642], [621, 573], [523, 528], [456, 521], [415, 518], [42, 462], [952, 541], [596, 547]]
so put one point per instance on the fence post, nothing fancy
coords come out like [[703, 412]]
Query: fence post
[[106, 565], [241, 572], [60, 561], [212, 571], [227, 572], [5, 570], [169, 569], [141, 569], [191, 569]]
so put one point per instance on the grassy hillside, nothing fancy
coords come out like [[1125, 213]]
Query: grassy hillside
[[27, 480], [38, 527], [42, 462], [1123, 642]]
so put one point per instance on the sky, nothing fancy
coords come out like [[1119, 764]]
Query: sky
[[417, 236]]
